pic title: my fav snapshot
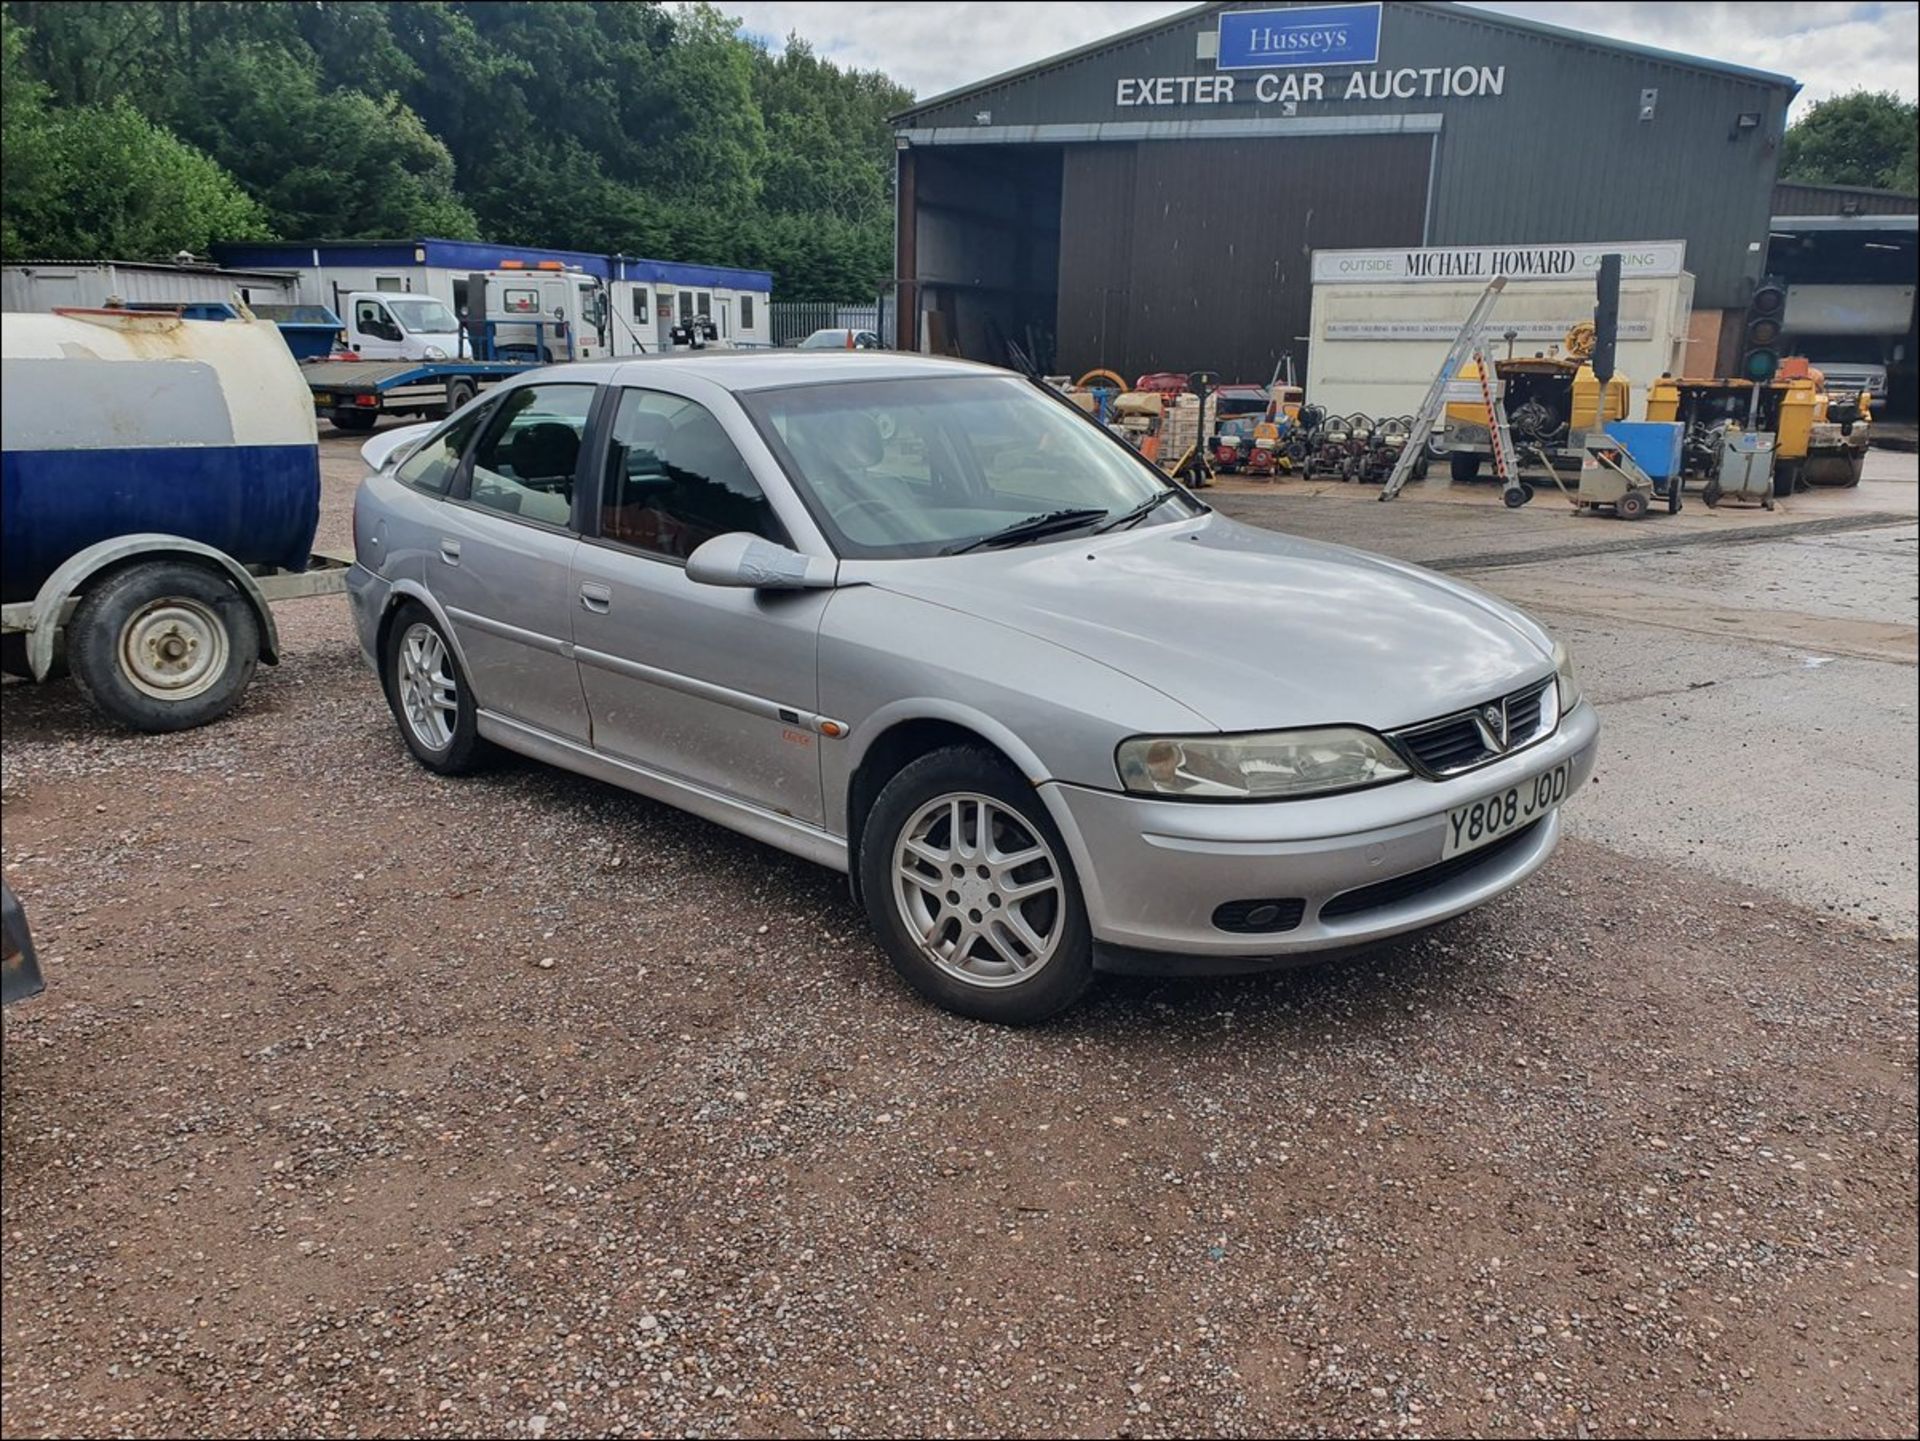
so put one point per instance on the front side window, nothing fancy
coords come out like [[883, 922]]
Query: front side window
[[424, 315], [525, 463], [674, 480], [431, 468], [370, 318], [895, 468]]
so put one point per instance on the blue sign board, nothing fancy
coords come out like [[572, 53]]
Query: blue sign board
[[1303, 35]]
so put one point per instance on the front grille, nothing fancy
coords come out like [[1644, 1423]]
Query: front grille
[[1260, 917], [1414, 883], [1456, 743]]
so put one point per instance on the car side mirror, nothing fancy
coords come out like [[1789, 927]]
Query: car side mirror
[[748, 562]]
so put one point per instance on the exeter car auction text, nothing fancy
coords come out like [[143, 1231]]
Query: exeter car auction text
[[1465, 81]]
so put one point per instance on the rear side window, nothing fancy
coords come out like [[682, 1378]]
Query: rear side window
[[432, 466], [524, 464]]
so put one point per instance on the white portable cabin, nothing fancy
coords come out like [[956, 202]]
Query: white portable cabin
[[646, 298], [1382, 320]]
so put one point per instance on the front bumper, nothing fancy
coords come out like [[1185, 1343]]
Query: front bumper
[[1153, 872]]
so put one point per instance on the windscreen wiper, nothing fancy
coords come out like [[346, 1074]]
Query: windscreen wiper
[[1033, 527], [1141, 511]]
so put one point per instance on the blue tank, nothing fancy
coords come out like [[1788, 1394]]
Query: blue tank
[[114, 423]]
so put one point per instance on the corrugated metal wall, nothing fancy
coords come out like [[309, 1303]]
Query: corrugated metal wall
[[1560, 155], [1188, 255], [1792, 199], [43, 285]]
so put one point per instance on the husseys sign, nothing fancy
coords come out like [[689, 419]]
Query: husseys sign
[[1287, 46]]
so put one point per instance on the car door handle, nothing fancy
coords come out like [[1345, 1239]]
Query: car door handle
[[596, 597], [450, 551]]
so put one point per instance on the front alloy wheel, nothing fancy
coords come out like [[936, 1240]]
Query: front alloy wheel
[[979, 890], [971, 890]]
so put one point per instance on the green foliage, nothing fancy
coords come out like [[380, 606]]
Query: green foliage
[[1861, 138], [116, 184], [99, 180], [628, 128]]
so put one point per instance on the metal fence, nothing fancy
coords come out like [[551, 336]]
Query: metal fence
[[795, 320]]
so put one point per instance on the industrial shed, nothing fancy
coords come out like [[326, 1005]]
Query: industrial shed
[[1154, 201]]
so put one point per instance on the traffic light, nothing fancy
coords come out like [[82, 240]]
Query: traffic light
[[1766, 317]]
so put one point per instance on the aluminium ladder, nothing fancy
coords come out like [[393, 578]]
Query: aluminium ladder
[[1466, 343]]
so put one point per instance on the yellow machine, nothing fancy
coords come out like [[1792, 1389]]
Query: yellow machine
[[1820, 438], [1551, 401]]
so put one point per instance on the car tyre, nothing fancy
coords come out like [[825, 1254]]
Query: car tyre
[[429, 694], [956, 909]]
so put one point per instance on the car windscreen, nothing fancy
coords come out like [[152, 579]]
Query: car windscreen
[[915, 467], [424, 316], [825, 340]]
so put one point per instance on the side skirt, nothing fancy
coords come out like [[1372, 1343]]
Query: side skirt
[[794, 836]]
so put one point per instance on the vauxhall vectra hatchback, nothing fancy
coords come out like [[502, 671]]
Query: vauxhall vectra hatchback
[[923, 622]]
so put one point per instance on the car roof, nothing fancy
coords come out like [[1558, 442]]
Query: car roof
[[766, 369]]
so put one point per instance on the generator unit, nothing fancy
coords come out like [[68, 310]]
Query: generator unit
[[1820, 438], [1551, 402]]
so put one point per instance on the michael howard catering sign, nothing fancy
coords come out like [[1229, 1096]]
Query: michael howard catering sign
[[1309, 35]]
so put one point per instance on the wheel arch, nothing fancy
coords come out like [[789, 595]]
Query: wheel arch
[[902, 733], [398, 594], [109, 557]]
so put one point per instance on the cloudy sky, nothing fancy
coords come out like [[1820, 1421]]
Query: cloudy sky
[[1828, 47]]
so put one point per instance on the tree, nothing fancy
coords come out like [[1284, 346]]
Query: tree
[[125, 189], [345, 164], [635, 128], [1861, 138]]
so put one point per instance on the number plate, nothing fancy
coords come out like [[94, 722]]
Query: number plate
[[1479, 822], [322, 399]]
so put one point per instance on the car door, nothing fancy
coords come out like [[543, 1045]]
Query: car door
[[376, 334], [501, 565], [709, 684]]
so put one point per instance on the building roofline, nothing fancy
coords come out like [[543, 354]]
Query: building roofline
[[1806, 224], [1874, 190], [1497, 18], [173, 266]]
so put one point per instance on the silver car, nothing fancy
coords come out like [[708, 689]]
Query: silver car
[[923, 622]]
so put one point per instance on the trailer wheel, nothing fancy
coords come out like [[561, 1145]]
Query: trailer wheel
[[1630, 506], [459, 392], [358, 421], [164, 645], [1463, 466]]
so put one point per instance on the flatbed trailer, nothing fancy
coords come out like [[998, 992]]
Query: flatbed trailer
[[354, 394]]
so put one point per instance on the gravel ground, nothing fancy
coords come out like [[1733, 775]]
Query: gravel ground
[[368, 1103]]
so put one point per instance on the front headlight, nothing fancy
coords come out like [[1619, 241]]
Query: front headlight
[[1564, 679], [1274, 765], [433, 352]]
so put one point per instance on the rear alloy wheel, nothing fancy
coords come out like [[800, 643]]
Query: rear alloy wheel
[[969, 886], [429, 696]]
